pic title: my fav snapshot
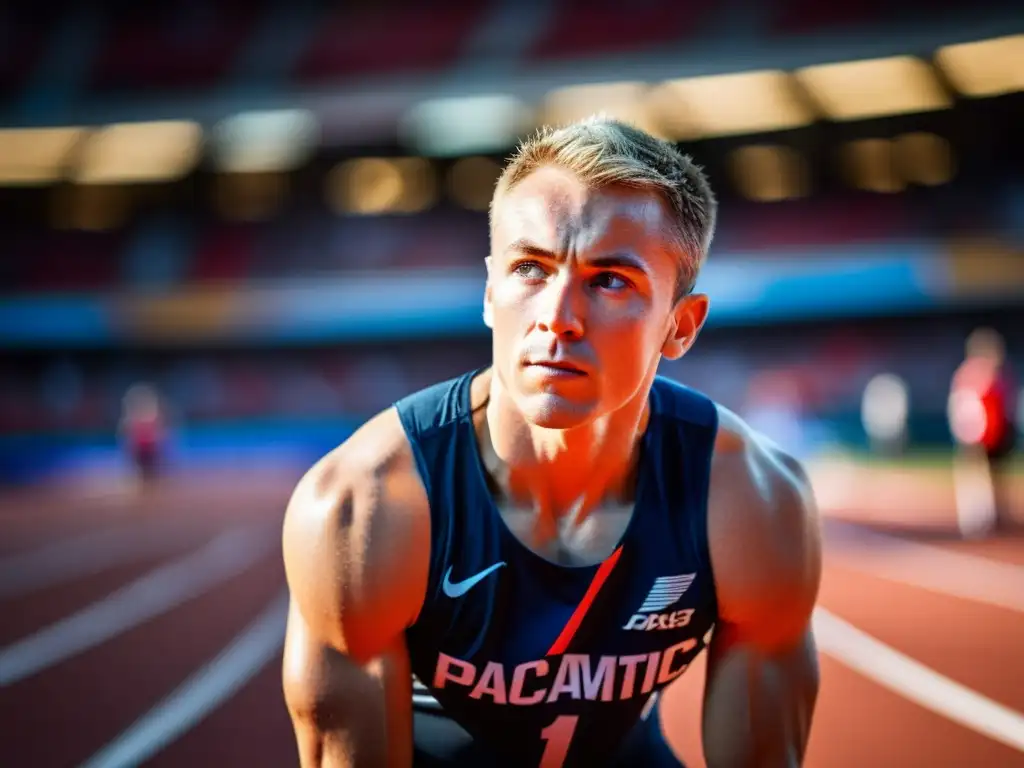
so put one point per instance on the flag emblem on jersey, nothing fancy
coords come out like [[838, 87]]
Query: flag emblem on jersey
[[666, 590]]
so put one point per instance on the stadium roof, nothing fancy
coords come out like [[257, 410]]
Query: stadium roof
[[372, 108]]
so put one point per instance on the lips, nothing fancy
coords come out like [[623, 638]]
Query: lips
[[557, 365]]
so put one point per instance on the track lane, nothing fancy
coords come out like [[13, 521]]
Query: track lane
[[222, 738], [974, 644], [23, 616], [94, 696], [1008, 548], [206, 689], [859, 722]]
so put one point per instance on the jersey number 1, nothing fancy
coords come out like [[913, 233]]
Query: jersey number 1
[[557, 735]]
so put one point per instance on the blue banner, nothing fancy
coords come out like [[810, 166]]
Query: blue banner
[[744, 288]]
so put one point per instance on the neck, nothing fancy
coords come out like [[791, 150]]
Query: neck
[[562, 474]]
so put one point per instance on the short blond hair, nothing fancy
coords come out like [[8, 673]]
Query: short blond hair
[[604, 152]]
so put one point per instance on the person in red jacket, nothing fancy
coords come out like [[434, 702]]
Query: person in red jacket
[[143, 430], [982, 410]]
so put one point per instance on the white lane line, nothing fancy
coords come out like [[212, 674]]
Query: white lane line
[[201, 693], [157, 592], [916, 682], [85, 555], [938, 570]]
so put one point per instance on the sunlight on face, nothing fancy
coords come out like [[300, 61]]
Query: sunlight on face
[[580, 295]]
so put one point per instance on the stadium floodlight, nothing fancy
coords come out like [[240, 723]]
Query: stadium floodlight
[[376, 185], [471, 182], [265, 142], [139, 152], [870, 164], [730, 104], [925, 158], [985, 67], [768, 173], [35, 155], [857, 90], [627, 101], [453, 127]]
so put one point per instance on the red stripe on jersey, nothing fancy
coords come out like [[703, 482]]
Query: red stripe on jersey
[[581, 610]]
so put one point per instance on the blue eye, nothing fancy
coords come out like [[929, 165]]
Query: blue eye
[[529, 270], [610, 281]]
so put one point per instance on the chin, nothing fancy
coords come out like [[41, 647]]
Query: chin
[[550, 411]]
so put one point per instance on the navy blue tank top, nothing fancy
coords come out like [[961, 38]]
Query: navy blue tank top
[[552, 665]]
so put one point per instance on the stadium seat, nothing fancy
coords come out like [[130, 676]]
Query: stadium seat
[[23, 38], [387, 40], [802, 16], [223, 254], [809, 223], [580, 28], [173, 47], [73, 261]]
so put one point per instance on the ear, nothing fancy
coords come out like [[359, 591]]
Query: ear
[[688, 318], [488, 306]]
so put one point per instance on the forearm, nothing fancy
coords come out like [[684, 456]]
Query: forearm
[[351, 746], [354, 716], [758, 707]]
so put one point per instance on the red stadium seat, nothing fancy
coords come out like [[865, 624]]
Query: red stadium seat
[[811, 16], [811, 223], [383, 40], [583, 28], [172, 47], [800, 16], [223, 255], [73, 261]]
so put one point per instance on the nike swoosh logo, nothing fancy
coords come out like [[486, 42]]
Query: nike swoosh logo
[[459, 588]]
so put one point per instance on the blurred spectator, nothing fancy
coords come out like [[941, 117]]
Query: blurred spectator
[[982, 411], [143, 431], [884, 411]]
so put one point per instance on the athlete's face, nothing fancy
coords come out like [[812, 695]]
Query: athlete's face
[[581, 297]]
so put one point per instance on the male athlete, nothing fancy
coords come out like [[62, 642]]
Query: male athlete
[[549, 542]]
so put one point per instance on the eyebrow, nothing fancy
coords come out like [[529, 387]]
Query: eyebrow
[[612, 261]]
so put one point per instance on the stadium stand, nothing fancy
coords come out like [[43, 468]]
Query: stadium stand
[[580, 28], [180, 234], [184, 46], [163, 250], [426, 40], [195, 46], [24, 33]]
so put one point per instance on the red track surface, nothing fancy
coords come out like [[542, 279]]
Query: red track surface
[[63, 714]]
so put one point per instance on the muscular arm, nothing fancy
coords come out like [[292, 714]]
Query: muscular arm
[[762, 677], [355, 547]]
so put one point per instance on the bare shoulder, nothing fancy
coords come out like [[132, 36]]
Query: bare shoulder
[[748, 464], [356, 539], [763, 531]]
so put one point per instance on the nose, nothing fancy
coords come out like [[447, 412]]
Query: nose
[[561, 311]]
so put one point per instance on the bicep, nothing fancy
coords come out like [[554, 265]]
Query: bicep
[[344, 712], [758, 703], [354, 579], [762, 676]]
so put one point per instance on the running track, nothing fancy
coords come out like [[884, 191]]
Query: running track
[[149, 633]]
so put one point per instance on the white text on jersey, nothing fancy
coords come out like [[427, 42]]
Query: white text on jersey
[[615, 678], [648, 621]]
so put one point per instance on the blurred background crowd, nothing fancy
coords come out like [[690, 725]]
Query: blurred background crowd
[[274, 214]]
